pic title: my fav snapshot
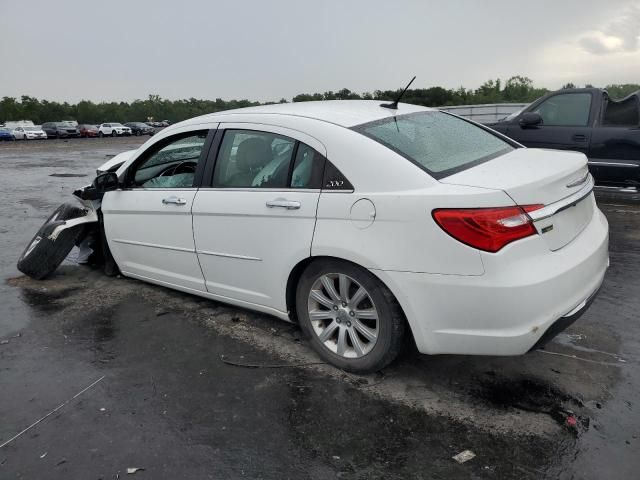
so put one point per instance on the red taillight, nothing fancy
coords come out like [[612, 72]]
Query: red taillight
[[487, 229]]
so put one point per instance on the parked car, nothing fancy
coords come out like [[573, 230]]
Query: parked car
[[29, 133], [113, 129], [5, 134], [139, 128], [358, 222], [59, 130], [87, 130], [586, 120]]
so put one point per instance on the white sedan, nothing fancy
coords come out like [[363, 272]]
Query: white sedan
[[29, 133], [361, 223], [113, 130]]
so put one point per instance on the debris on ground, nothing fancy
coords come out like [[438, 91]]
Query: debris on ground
[[464, 456], [572, 421], [131, 471], [44, 455]]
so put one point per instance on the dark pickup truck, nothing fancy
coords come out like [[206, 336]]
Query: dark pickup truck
[[607, 131]]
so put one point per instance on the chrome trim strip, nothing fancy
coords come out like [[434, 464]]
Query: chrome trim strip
[[229, 255], [617, 189], [614, 164], [153, 245], [553, 208]]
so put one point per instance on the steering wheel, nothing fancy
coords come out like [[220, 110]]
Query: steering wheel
[[186, 167]]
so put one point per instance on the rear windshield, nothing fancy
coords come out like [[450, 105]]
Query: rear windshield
[[437, 142]]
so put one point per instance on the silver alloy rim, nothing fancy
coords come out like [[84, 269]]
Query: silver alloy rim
[[343, 315]]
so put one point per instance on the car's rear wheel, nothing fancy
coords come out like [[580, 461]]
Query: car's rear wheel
[[352, 320], [43, 255]]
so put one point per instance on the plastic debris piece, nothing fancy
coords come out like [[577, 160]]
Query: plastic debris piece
[[571, 421], [4, 342], [44, 455], [464, 456], [131, 471], [103, 409]]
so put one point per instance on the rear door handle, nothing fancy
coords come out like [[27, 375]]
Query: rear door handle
[[282, 203], [174, 200], [579, 138]]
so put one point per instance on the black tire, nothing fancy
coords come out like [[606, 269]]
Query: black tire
[[114, 134], [391, 320], [42, 255], [100, 134], [137, 133]]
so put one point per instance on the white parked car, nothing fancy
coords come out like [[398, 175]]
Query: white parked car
[[113, 129], [361, 223], [29, 133]]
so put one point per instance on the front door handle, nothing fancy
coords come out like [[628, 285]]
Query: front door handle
[[579, 138], [283, 203], [174, 200]]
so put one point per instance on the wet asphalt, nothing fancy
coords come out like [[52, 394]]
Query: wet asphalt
[[170, 400]]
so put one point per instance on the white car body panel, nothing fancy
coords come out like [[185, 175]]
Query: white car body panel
[[457, 299], [114, 161], [152, 239]]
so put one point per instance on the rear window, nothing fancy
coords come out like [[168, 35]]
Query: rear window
[[437, 142]]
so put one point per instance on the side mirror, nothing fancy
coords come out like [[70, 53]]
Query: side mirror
[[106, 182], [530, 119]]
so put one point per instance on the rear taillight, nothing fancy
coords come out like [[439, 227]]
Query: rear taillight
[[487, 229]]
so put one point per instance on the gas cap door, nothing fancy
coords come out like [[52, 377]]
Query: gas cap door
[[363, 213]]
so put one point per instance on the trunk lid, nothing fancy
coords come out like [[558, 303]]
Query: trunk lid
[[559, 180]]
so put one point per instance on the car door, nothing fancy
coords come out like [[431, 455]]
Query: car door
[[565, 123], [148, 222], [255, 220], [614, 156]]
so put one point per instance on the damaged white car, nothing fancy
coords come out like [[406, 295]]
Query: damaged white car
[[362, 222]]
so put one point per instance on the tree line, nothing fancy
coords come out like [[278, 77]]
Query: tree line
[[517, 89]]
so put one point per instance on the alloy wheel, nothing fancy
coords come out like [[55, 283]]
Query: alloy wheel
[[343, 315]]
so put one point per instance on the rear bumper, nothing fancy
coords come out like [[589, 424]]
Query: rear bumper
[[564, 322], [524, 291]]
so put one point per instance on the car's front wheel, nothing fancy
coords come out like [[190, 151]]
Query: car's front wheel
[[352, 320], [114, 133]]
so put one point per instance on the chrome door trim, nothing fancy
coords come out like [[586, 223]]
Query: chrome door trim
[[613, 164]]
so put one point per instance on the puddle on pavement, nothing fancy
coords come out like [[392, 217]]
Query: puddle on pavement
[[532, 395]]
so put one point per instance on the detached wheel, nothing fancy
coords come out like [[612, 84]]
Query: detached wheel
[[43, 255], [352, 320]]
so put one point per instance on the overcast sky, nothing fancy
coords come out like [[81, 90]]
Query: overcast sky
[[265, 50]]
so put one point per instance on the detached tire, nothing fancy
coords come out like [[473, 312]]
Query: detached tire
[[43, 255], [351, 318]]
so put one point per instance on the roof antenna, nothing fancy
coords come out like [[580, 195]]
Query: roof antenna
[[394, 104]]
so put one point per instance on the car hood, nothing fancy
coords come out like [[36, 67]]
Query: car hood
[[114, 163]]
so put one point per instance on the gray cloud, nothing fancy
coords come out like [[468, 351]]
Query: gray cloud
[[62, 50], [619, 35]]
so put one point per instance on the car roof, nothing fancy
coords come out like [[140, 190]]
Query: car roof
[[346, 113]]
